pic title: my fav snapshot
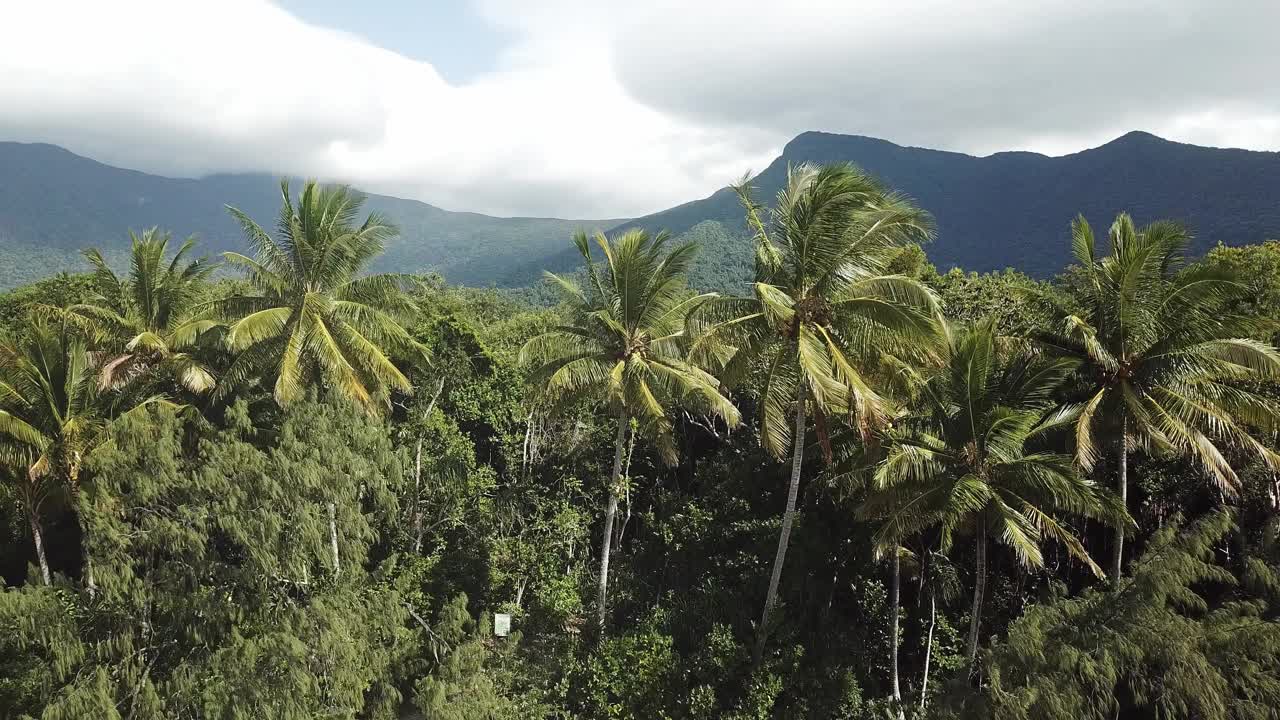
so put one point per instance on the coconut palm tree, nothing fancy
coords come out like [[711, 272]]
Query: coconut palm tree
[[147, 319], [1164, 364], [823, 314], [49, 417], [963, 462], [315, 317], [622, 348]]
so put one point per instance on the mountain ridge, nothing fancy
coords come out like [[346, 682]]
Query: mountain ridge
[[1012, 208], [1005, 209], [54, 202]]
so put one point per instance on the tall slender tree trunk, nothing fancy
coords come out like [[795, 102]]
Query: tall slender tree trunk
[[417, 481], [333, 536], [38, 538], [784, 537], [528, 441], [895, 601], [610, 512], [928, 649], [90, 584], [1122, 485], [979, 589], [417, 498]]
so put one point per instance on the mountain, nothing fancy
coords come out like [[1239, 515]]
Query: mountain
[[54, 202], [1010, 209]]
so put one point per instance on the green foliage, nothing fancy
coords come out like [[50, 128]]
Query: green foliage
[[60, 290], [1257, 267], [630, 676], [458, 687], [340, 554], [1008, 297], [213, 562], [1182, 637]]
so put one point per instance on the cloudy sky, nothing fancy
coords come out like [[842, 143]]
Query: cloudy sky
[[609, 108]]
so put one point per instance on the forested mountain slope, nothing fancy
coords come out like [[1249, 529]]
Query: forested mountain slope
[[1010, 209], [54, 202]]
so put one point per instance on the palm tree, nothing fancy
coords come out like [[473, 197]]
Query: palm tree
[[147, 319], [963, 462], [49, 417], [315, 317], [1163, 364], [823, 314], [623, 348]]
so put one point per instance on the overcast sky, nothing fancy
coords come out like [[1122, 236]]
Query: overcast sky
[[604, 108]]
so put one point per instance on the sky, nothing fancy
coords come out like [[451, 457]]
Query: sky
[[616, 108]]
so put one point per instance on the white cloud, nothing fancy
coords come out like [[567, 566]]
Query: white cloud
[[611, 108], [192, 88], [976, 76]]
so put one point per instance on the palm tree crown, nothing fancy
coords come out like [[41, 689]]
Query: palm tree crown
[[148, 317], [49, 415], [1163, 365], [823, 308], [315, 317], [623, 345]]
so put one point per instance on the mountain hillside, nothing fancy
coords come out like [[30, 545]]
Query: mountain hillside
[[1011, 209], [54, 202]]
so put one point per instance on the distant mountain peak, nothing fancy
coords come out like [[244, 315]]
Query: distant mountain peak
[[813, 142], [1138, 138]]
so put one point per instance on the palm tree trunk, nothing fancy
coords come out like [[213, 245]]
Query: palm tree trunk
[[895, 602], [610, 512], [333, 537], [928, 650], [1122, 484], [784, 537], [38, 538], [979, 588]]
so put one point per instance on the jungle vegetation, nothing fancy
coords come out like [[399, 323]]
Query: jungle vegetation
[[275, 484]]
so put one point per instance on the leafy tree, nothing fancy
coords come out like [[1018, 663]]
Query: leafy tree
[[622, 348], [315, 317], [963, 462], [459, 686], [1165, 363], [147, 319], [58, 291], [50, 418], [823, 313], [1183, 637], [1257, 267], [1008, 296], [217, 596]]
